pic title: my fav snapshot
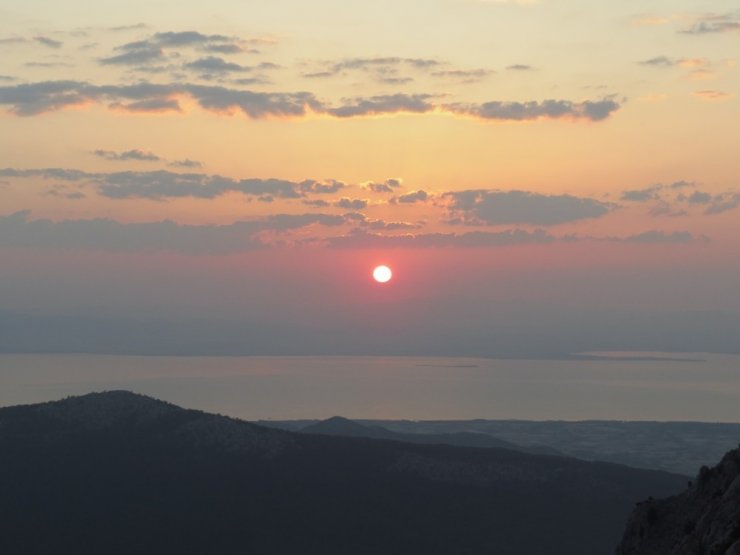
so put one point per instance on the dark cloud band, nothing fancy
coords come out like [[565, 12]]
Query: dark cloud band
[[30, 99]]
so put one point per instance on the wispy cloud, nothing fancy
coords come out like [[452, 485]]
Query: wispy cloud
[[655, 237], [674, 200], [42, 40], [712, 95], [361, 239], [723, 203], [520, 67], [388, 70], [186, 164], [463, 75], [50, 43], [135, 154], [714, 23], [659, 61]]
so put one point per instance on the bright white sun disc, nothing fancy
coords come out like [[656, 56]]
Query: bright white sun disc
[[382, 274]]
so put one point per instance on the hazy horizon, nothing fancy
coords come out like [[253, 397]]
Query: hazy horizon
[[701, 388]]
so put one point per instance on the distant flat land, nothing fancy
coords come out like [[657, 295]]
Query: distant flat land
[[680, 447]]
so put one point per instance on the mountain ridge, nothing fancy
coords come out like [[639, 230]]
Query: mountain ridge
[[115, 473]]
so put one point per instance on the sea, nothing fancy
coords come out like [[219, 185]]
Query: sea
[[593, 386]]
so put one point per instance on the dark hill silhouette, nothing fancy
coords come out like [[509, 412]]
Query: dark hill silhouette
[[339, 426], [119, 473], [705, 519]]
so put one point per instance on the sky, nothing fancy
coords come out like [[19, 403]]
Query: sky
[[543, 177]]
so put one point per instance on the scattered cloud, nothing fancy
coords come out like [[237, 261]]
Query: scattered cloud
[[411, 198], [699, 197], [366, 64], [378, 225], [361, 220], [700, 68], [387, 186], [493, 207], [723, 202], [351, 204], [520, 67], [50, 43], [463, 75], [532, 110], [712, 95], [319, 203], [666, 209], [142, 54], [318, 74], [65, 192], [384, 104], [362, 239], [47, 64], [327, 187], [654, 192], [387, 70], [132, 27], [44, 41], [657, 237], [714, 23], [643, 195], [186, 163], [127, 155], [659, 61], [12, 40], [671, 200], [153, 49], [213, 64]]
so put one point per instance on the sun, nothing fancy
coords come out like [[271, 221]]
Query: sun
[[382, 274]]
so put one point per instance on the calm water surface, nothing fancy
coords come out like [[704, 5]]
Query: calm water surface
[[705, 389]]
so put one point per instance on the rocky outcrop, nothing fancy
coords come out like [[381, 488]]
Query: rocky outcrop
[[703, 520]]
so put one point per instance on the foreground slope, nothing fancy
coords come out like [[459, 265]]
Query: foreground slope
[[704, 520], [121, 473]]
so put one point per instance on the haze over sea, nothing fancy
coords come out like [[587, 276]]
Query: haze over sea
[[622, 386]]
